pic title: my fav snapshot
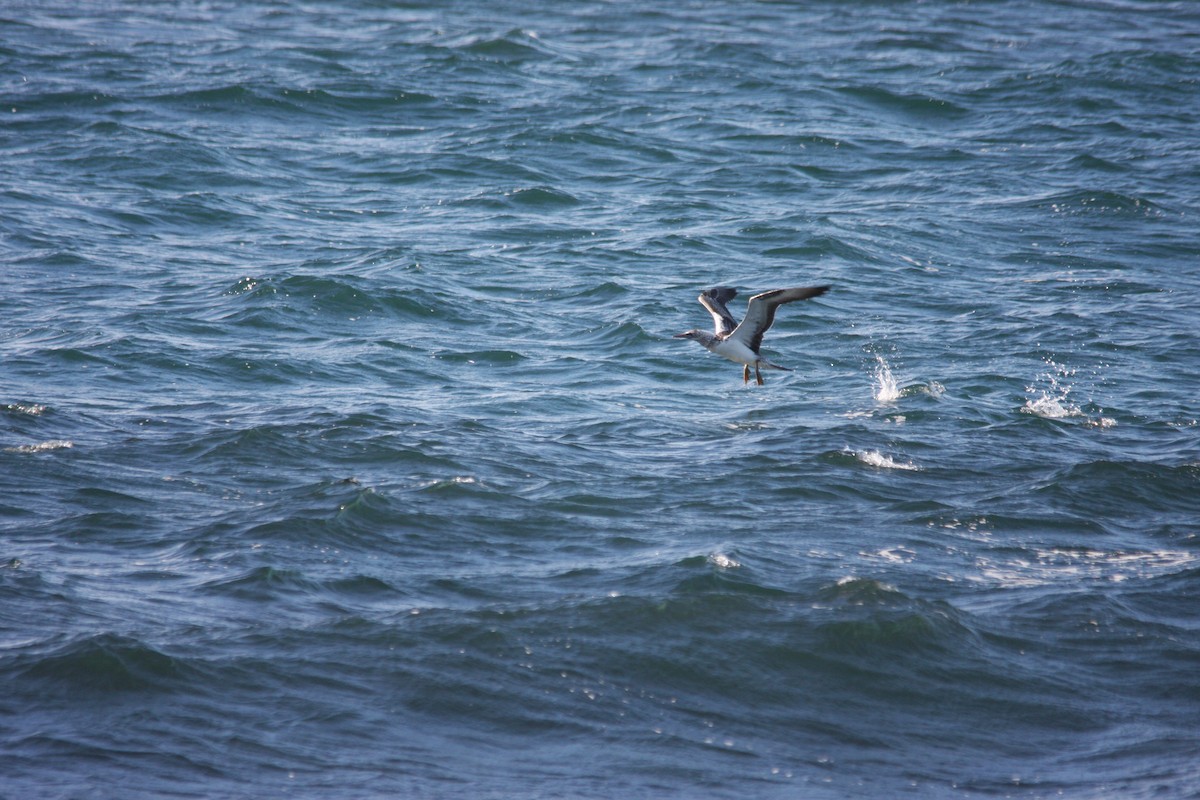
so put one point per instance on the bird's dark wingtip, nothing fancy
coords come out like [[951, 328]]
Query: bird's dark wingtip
[[722, 294]]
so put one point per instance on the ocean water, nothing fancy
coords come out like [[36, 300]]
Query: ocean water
[[346, 451]]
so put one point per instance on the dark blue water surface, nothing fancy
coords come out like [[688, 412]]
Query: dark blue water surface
[[346, 451]]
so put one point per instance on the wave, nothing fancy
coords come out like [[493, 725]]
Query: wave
[[287, 302], [1115, 487], [284, 101], [912, 104], [1095, 202], [345, 594], [1086, 161], [495, 358], [541, 197], [612, 337], [515, 46], [106, 663], [823, 247]]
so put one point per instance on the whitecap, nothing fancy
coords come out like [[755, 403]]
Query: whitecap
[[896, 555], [53, 444], [874, 458], [32, 409], [1044, 566]]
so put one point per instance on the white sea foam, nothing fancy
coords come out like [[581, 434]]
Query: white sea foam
[[42, 447], [723, 561], [874, 458], [32, 409], [896, 555], [1053, 565]]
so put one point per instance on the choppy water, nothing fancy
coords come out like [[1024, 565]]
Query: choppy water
[[347, 452]]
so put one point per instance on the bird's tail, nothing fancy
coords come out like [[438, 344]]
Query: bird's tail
[[769, 365]]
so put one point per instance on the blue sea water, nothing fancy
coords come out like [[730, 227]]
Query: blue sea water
[[346, 451]]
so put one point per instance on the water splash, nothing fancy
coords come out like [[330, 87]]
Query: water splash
[[1048, 407], [1052, 400], [1052, 397], [886, 388]]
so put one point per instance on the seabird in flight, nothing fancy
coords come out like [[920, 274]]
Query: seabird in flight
[[740, 343]]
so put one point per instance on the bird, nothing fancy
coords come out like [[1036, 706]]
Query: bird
[[740, 342]]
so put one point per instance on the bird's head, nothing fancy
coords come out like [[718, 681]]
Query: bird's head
[[697, 335]]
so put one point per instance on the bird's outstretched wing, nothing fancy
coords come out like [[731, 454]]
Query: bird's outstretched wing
[[760, 312], [714, 300]]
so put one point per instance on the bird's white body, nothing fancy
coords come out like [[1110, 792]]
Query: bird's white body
[[739, 342], [737, 351]]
